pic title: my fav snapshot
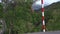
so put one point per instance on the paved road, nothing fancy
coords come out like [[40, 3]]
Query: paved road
[[55, 32]]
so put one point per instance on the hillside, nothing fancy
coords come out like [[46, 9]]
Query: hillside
[[20, 18], [53, 12]]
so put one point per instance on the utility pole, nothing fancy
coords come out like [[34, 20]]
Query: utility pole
[[43, 21]]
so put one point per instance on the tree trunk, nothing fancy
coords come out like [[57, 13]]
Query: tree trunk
[[2, 31]]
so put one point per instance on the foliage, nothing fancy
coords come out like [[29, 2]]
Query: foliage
[[24, 20]]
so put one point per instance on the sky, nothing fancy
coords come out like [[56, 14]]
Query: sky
[[37, 5], [48, 2], [0, 0]]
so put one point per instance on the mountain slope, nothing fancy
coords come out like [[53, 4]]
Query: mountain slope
[[53, 21]]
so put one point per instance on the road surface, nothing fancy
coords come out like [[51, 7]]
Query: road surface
[[55, 32]]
